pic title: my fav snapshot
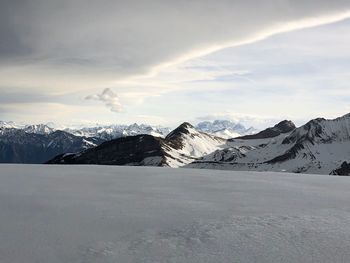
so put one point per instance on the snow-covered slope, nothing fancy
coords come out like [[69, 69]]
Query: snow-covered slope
[[320, 146], [104, 214], [224, 128], [185, 144]]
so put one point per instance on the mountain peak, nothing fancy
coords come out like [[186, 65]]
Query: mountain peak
[[186, 125], [180, 130], [285, 126], [281, 127], [321, 130], [38, 129]]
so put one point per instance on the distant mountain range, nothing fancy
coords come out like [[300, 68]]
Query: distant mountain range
[[110, 132], [21, 143], [224, 128], [320, 146], [104, 132], [221, 128], [19, 146]]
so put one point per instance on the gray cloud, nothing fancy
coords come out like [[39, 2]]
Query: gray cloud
[[63, 46], [130, 37], [109, 98]]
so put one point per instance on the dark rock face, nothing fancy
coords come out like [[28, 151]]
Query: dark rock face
[[299, 139], [182, 129], [313, 129], [127, 150], [174, 139], [282, 127], [17, 146], [344, 170], [285, 126], [288, 155]]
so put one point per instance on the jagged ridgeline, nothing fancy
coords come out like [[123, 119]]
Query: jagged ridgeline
[[41, 142], [320, 146], [180, 147]]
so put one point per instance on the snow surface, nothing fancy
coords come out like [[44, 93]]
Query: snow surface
[[139, 214]]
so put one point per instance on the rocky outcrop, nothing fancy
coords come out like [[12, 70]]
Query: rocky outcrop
[[344, 170], [282, 127], [132, 150]]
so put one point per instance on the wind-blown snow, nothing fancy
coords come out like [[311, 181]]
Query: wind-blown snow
[[139, 214]]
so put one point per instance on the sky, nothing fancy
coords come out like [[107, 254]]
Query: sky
[[164, 62]]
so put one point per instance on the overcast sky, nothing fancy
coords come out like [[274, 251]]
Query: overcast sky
[[164, 61]]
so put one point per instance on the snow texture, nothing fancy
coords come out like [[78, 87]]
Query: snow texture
[[140, 214]]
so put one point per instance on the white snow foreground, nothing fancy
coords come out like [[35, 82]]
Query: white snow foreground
[[138, 214]]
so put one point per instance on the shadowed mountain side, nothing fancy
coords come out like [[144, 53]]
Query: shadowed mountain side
[[282, 127]]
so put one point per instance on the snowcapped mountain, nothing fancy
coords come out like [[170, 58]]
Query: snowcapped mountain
[[38, 143], [220, 128], [185, 144], [116, 131], [320, 146], [104, 132], [20, 146], [282, 127], [38, 129], [10, 124], [182, 146], [224, 128]]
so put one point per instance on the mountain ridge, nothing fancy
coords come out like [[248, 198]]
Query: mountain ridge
[[178, 148], [18, 146], [319, 146]]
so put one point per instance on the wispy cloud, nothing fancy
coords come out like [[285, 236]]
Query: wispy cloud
[[109, 98], [116, 43]]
